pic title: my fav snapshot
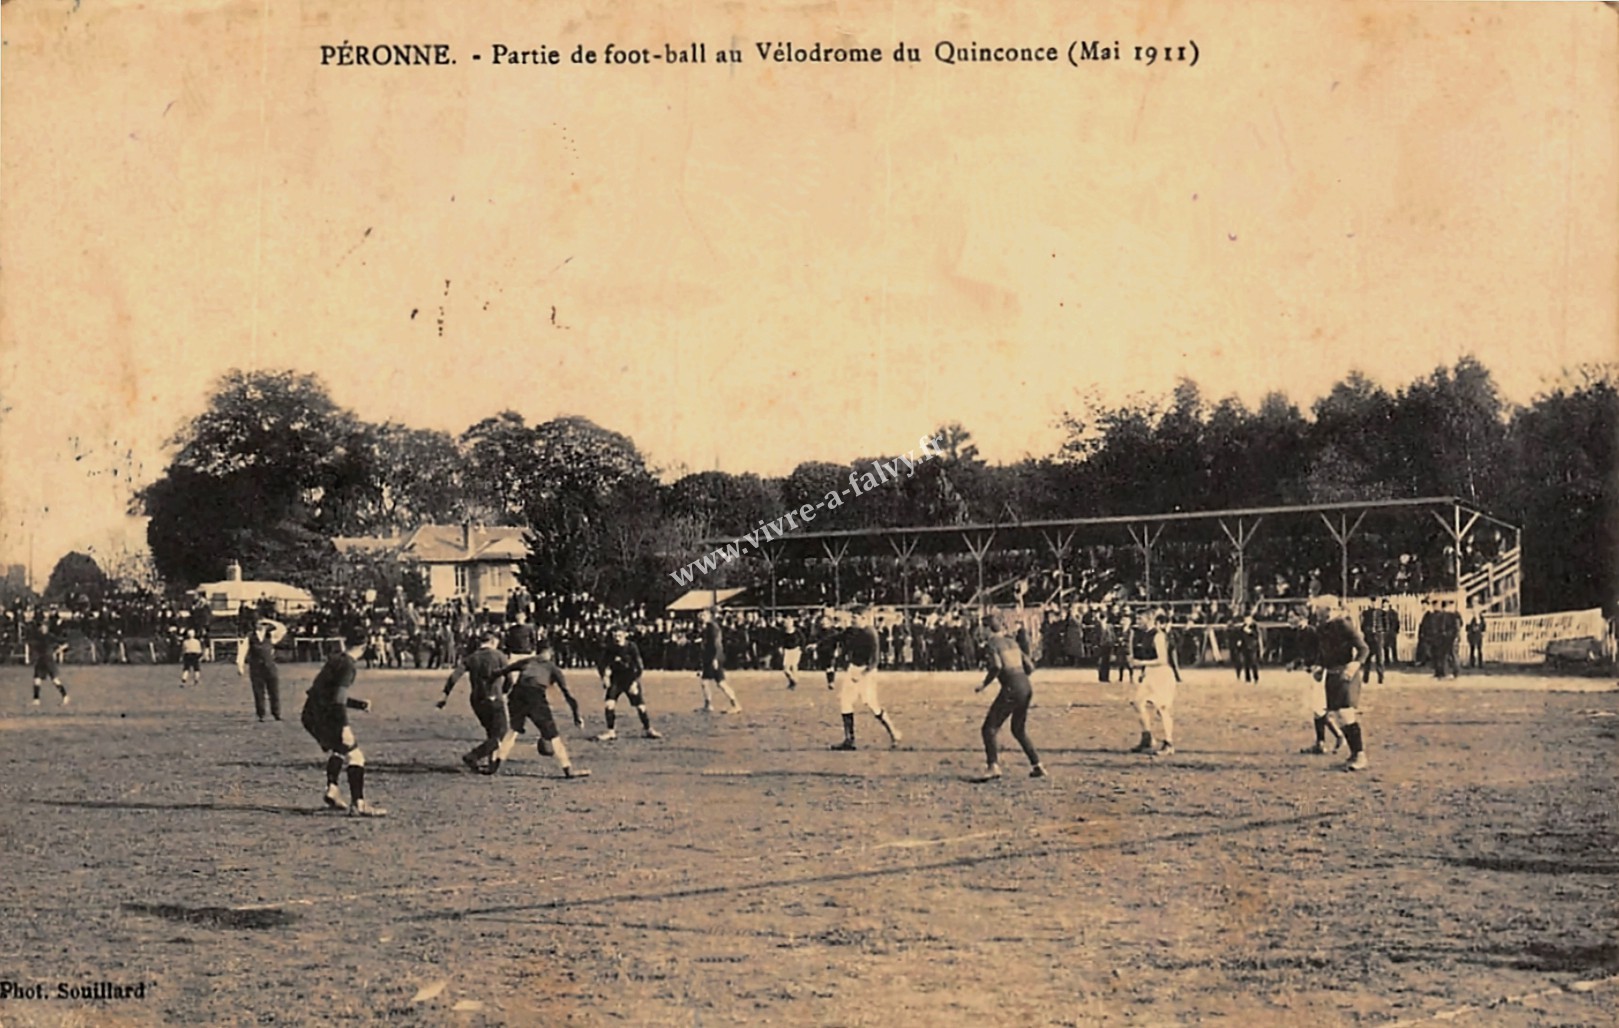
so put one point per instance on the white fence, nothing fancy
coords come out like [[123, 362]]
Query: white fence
[[1523, 640]]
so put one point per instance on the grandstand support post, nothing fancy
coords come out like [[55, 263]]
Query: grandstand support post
[[836, 557], [1059, 548], [1239, 542], [1458, 533], [978, 558], [1342, 533], [1145, 542], [770, 566], [902, 554]]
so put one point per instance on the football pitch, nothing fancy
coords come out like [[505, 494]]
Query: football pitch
[[737, 872]]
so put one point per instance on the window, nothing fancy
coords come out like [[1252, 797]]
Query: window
[[463, 579]]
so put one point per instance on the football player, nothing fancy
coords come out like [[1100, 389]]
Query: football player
[[619, 667], [527, 702], [326, 717], [1009, 664], [860, 681], [486, 668]]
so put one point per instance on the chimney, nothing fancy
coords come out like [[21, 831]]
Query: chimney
[[466, 535], [233, 572]]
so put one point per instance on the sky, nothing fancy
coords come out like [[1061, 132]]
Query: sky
[[749, 266]]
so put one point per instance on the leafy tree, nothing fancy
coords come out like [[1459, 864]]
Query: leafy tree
[[76, 576], [268, 468], [1564, 454], [584, 478], [416, 479], [728, 505], [809, 483], [503, 467]]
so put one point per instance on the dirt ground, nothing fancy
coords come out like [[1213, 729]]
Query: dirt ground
[[737, 872]]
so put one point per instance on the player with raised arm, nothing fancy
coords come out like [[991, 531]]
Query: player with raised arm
[[1155, 691], [619, 666], [1010, 665], [326, 717], [256, 659], [860, 681], [527, 702], [485, 668]]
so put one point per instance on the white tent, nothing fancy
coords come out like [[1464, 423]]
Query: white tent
[[228, 596]]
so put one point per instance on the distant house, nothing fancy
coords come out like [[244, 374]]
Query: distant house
[[475, 563]]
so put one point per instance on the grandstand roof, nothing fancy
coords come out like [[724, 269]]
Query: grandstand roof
[[1014, 535]]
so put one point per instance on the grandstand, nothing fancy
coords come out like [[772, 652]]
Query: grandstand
[[1481, 575]]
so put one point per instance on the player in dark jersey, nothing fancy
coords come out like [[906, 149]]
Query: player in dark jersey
[[860, 648], [1010, 665], [326, 717], [527, 702], [256, 658], [520, 641], [792, 648], [619, 667], [1340, 652], [1307, 641], [711, 663], [486, 668], [828, 647], [46, 648]]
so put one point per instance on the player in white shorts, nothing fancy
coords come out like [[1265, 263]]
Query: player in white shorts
[[1155, 691], [858, 682]]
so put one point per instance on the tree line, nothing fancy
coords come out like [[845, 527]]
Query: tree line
[[273, 470]]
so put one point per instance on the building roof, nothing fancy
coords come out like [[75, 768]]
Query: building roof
[[446, 544], [700, 599]]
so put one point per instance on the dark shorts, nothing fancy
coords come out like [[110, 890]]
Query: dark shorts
[[329, 726], [1342, 693], [531, 705], [713, 673], [492, 714], [632, 689], [190, 662], [46, 670]]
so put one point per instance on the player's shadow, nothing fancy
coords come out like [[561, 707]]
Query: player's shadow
[[376, 765], [239, 808], [1543, 957], [415, 768], [1535, 865], [216, 917]]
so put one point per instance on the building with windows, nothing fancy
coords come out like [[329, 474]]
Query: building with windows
[[478, 564]]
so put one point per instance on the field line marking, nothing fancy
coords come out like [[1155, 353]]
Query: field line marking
[[1033, 832]]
